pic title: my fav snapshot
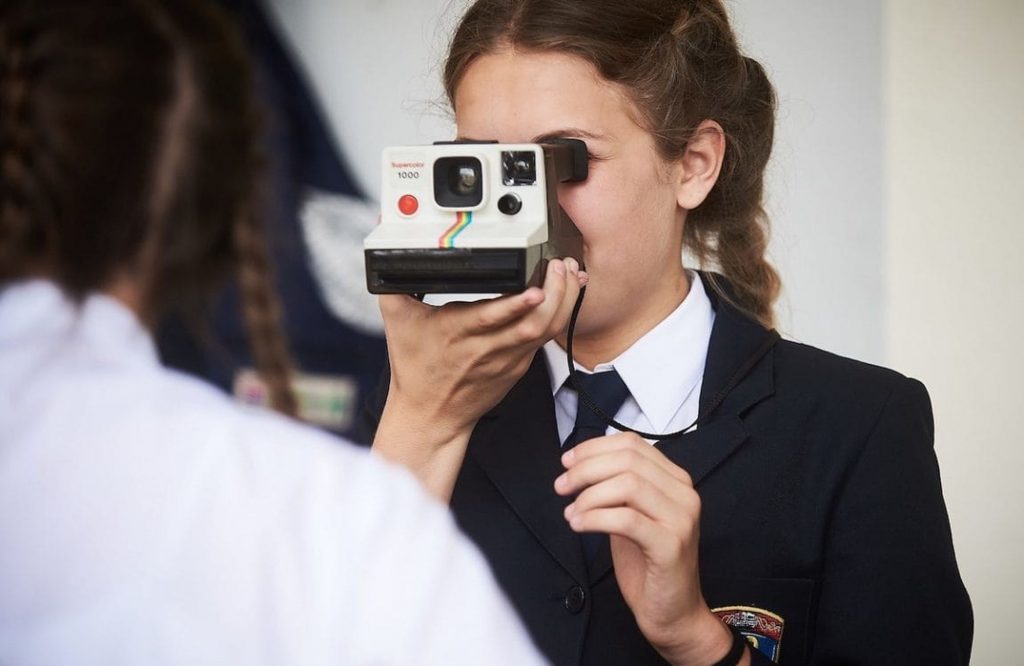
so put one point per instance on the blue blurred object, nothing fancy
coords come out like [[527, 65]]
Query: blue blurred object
[[344, 357]]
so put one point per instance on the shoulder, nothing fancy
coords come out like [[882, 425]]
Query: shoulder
[[803, 375], [828, 374], [251, 462], [844, 400], [421, 592], [272, 453], [318, 500]]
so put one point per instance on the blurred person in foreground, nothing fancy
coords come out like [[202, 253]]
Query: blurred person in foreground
[[143, 516]]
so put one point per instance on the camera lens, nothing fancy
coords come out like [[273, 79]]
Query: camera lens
[[463, 179], [458, 182]]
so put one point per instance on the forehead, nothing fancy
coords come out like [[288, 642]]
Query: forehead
[[515, 96]]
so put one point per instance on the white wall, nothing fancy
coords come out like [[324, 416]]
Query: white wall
[[376, 66], [825, 180], [955, 109]]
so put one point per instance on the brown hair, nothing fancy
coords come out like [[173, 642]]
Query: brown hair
[[680, 63], [129, 147]]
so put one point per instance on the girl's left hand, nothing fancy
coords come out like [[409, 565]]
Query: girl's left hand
[[649, 507]]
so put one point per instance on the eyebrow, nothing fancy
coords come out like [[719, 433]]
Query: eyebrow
[[566, 133]]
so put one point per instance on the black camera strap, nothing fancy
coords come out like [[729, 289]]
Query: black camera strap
[[713, 404]]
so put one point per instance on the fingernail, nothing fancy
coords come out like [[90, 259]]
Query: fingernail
[[575, 522], [570, 511], [559, 267], [584, 278], [561, 482], [568, 457], [572, 265]]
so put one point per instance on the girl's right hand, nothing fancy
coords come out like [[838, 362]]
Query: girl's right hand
[[451, 364]]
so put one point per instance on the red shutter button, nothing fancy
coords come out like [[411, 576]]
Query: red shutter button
[[408, 205]]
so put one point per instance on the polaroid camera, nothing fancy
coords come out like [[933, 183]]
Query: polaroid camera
[[472, 217]]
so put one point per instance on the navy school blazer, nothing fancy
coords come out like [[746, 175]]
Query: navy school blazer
[[824, 535]]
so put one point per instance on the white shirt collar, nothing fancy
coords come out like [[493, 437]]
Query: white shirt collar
[[37, 321], [664, 368]]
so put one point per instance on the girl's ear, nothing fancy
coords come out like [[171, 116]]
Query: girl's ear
[[700, 164]]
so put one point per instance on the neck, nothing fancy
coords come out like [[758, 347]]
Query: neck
[[592, 348], [129, 293]]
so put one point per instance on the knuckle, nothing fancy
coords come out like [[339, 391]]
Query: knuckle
[[531, 330], [631, 458], [635, 440], [685, 533], [632, 483], [689, 527], [485, 320], [691, 502], [688, 524]]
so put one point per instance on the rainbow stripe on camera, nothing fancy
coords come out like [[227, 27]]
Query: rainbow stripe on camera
[[462, 220]]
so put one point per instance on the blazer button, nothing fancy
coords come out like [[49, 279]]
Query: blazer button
[[575, 599]]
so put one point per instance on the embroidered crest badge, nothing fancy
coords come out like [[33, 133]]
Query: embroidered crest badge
[[761, 628]]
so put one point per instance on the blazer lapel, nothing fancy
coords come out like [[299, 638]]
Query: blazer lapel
[[517, 447], [734, 339]]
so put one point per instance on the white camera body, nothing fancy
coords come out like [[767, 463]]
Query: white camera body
[[472, 217]]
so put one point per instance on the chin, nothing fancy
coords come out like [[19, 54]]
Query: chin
[[589, 328]]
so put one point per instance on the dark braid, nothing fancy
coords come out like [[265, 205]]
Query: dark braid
[[262, 313], [224, 133], [24, 233]]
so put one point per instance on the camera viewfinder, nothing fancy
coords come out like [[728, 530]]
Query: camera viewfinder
[[518, 167]]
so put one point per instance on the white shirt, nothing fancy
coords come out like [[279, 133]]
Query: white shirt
[[145, 518], [663, 370]]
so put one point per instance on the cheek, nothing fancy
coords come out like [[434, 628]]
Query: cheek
[[574, 199], [615, 203], [597, 206]]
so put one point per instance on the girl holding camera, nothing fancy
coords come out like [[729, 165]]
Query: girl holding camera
[[796, 514]]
